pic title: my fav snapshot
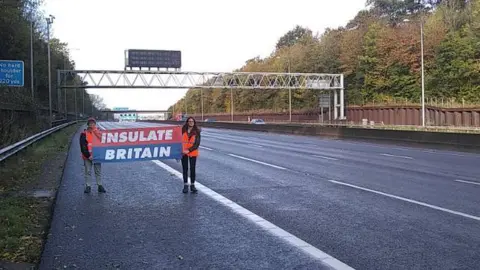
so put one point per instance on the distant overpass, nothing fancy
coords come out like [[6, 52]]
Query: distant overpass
[[135, 111], [110, 114]]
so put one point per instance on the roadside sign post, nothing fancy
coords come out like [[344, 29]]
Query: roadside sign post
[[324, 102], [12, 73]]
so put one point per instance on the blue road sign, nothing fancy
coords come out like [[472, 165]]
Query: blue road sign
[[12, 73]]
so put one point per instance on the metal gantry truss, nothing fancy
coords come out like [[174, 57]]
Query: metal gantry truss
[[205, 80]]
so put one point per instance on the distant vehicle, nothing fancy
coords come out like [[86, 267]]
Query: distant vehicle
[[210, 120], [257, 122]]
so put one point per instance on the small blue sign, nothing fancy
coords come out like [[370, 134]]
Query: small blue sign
[[12, 73], [120, 109]]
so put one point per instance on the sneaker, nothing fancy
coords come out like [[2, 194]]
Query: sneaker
[[193, 189], [101, 189], [185, 189], [87, 189]]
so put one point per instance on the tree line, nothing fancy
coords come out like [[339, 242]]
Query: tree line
[[21, 113], [17, 18], [379, 53]]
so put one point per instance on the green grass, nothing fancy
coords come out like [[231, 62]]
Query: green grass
[[24, 219], [21, 235]]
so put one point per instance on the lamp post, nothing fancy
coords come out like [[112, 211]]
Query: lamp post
[[49, 22], [423, 73], [31, 58], [422, 68]]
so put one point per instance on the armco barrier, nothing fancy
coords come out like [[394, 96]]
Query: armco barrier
[[461, 141]]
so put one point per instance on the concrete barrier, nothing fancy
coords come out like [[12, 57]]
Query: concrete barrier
[[450, 140]]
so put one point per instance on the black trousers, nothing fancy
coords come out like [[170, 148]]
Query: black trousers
[[193, 163]]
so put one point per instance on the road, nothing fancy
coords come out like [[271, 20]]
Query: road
[[270, 201]]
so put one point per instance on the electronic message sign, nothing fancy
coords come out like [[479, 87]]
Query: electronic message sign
[[153, 59]]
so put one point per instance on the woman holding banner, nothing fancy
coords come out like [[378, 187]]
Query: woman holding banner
[[191, 143]]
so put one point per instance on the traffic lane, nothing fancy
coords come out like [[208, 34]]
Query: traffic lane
[[464, 175], [145, 222], [435, 155], [464, 161], [383, 159], [461, 170], [466, 171], [385, 175], [362, 229]]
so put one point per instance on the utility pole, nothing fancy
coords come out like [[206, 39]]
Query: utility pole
[[289, 92], [423, 72], [423, 69], [49, 22], [83, 103], [231, 102], [31, 58], [201, 97], [76, 113], [65, 89]]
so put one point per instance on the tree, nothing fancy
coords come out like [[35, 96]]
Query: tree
[[378, 53], [293, 36]]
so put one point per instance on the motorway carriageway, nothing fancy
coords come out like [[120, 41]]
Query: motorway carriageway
[[269, 201]]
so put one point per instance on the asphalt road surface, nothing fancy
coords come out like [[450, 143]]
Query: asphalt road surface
[[269, 201]]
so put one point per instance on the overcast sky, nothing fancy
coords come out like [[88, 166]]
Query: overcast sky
[[213, 35]]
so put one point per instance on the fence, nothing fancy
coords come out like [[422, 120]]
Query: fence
[[387, 115]]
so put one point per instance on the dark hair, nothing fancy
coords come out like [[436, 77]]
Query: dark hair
[[195, 129]]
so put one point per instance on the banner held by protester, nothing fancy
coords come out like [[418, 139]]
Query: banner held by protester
[[138, 144]]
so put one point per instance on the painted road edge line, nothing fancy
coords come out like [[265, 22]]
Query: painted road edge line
[[263, 223], [409, 200], [257, 161], [206, 148], [467, 182]]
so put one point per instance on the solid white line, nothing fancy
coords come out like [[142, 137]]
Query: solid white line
[[388, 155], [468, 182], [325, 157], [409, 200], [259, 162], [265, 224], [206, 148]]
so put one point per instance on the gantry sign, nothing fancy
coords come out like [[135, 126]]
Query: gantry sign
[[206, 80]]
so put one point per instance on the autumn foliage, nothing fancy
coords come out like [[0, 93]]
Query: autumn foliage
[[379, 53]]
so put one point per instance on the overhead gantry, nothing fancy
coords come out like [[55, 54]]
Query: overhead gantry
[[207, 80]]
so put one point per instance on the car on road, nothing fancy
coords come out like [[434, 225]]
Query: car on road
[[257, 122]]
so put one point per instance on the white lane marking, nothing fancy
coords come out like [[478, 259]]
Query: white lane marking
[[263, 223], [330, 158], [206, 148], [468, 182], [257, 161], [409, 200], [256, 145], [388, 155]]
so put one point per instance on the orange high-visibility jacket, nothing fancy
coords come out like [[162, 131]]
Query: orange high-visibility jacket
[[86, 143], [191, 143]]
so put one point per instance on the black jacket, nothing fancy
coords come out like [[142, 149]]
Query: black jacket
[[84, 144]]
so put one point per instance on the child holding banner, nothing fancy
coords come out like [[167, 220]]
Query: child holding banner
[[191, 142], [86, 143]]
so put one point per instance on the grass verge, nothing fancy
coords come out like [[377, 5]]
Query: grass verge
[[24, 213]]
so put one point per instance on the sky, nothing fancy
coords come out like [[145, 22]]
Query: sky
[[213, 35]]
